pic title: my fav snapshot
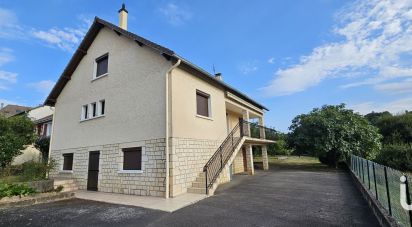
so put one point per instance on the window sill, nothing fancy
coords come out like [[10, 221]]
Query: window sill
[[92, 118], [207, 118], [130, 171], [101, 76], [66, 171]]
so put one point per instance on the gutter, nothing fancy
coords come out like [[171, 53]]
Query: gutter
[[168, 74]]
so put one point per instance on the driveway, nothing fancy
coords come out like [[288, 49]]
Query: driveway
[[279, 197]]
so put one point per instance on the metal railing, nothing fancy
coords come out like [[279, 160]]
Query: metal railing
[[219, 159], [384, 184], [222, 155], [258, 131]]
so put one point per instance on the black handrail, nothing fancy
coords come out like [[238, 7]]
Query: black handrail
[[222, 155], [219, 159]]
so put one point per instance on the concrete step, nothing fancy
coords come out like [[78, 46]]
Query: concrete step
[[197, 190], [63, 181], [198, 184]]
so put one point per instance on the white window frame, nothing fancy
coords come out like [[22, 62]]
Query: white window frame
[[99, 108], [94, 112], [83, 114], [209, 105], [95, 77]]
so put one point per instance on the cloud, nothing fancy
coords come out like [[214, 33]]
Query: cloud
[[7, 78], [248, 67], [375, 44], [395, 106], [6, 56], [175, 15], [43, 86], [271, 60], [65, 39], [9, 25]]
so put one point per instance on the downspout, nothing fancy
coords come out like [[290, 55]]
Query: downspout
[[169, 72]]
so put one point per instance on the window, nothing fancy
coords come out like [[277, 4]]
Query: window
[[132, 158], [102, 65], [202, 102], [94, 109], [49, 129], [68, 161], [85, 112], [101, 107]]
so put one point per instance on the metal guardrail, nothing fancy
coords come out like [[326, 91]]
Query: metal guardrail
[[219, 159], [384, 183]]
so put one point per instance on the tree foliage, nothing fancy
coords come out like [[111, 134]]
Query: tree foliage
[[43, 144], [15, 133], [332, 133], [397, 139]]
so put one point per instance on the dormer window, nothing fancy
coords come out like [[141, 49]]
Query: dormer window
[[102, 64]]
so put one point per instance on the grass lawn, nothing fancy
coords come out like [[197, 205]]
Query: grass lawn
[[295, 162]]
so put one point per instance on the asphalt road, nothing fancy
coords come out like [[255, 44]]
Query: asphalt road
[[279, 197]]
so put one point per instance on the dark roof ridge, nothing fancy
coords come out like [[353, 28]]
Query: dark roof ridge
[[98, 23]]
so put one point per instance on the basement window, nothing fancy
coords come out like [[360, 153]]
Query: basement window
[[68, 161], [132, 158], [102, 64]]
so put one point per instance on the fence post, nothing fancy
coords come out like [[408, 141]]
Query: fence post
[[408, 198], [363, 172], [358, 164], [387, 190], [369, 177], [374, 179]]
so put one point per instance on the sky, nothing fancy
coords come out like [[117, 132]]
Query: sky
[[291, 56]]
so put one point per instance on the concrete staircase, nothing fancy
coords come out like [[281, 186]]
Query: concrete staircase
[[68, 184], [199, 185]]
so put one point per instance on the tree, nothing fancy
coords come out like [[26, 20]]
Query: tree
[[332, 133], [43, 144], [15, 133]]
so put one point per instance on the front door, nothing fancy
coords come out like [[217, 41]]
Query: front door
[[244, 159], [93, 174]]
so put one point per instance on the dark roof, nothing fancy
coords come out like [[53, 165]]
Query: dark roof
[[167, 53], [11, 110], [44, 119]]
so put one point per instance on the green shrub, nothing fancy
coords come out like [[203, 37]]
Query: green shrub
[[9, 190], [397, 156], [43, 144], [28, 171]]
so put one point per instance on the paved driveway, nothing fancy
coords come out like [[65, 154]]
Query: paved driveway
[[279, 197]]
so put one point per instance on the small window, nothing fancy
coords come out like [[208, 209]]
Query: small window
[[94, 109], [85, 112], [202, 102], [68, 161], [102, 104], [102, 65], [132, 158]]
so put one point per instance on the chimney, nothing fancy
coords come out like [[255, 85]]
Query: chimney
[[218, 76], [123, 17]]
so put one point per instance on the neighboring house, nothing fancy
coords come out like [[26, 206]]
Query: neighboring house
[[11, 110], [133, 117], [42, 117]]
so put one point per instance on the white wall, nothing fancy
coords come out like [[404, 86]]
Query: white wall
[[134, 92], [185, 122]]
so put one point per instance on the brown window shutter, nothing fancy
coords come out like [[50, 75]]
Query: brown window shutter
[[132, 158], [202, 102], [68, 161], [102, 65]]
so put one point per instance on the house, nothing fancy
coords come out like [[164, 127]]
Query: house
[[11, 110], [42, 118], [134, 117]]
